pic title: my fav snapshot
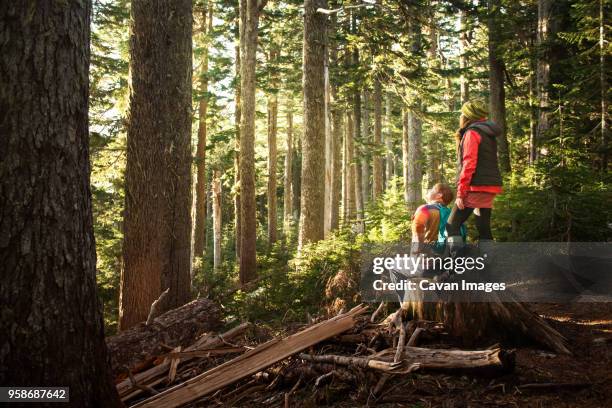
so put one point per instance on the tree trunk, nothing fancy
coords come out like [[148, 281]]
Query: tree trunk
[[337, 116], [533, 119], [288, 182], [464, 44], [272, 133], [337, 129], [415, 173], [249, 18], [356, 157], [405, 153], [237, 119], [329, 149], [497, 93], [389, 168], [603, 82], [216, 204], [365, 153], [199, 238], [351, 170], [377, 180], [52, 327], [157, 221], [296, 187], [543, 71], [313, 145]]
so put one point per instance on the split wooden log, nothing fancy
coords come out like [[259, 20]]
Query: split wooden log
[[176, 327], [156, 306], [253, 361], [128, 389]]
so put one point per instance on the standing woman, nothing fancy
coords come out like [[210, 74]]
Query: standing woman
[[479, 179]]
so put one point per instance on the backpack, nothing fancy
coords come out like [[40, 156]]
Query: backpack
[[445, 212]]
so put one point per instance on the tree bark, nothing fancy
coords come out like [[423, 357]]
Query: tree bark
[[52, 327], [377, 180], [389, 161], [405, 153], [543, 71], [365, 153], [249, 17], [411, 158], [296, 187], [356, 158], [337, 130], [199, 238], [272, 153], [288, 182], [237, 119], [351, 170], [329, 148], [337, 126], [313, 144], [464, 43], [157, 221], [217, 215], [603, 82], [497, 93]]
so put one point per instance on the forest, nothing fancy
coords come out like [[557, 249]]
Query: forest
[[191, 188]]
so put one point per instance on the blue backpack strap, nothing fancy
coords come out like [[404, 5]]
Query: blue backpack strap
[[445, 213]]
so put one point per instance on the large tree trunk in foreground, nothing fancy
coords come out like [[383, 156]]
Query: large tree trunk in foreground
[[139, 344], [199, 237], [157, 222], [249, 26], [313, 143], [497, 94], [51, 327]]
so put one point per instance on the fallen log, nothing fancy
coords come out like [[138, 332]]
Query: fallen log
[[253, 361], [489, 361], [176, 327], [130, 388], [416, 358]]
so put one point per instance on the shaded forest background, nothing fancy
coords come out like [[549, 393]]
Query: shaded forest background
[[397, 74]]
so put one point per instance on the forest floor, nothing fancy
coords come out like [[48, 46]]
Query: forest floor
[[540, 378], [583, 379]]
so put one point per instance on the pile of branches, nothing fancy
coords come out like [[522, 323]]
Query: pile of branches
[[353, 353]]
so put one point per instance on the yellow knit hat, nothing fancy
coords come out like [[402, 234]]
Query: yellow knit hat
[[474, 110]]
